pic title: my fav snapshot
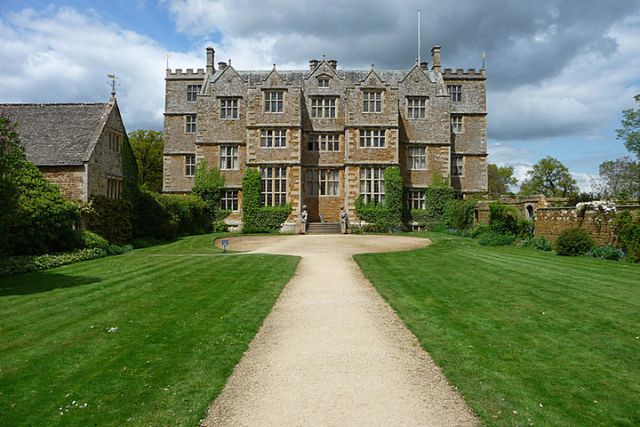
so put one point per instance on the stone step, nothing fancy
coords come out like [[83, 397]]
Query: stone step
[[323, 228]]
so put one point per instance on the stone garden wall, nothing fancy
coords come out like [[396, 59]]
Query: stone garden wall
[[550, 222]]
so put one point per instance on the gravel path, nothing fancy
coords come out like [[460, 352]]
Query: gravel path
[[332, 352]]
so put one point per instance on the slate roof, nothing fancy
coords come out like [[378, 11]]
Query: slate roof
[[58, 134]]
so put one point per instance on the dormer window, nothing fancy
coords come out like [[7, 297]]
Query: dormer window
[[323, 82]]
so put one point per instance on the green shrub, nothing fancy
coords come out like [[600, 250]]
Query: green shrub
[[92, 240], [573, 241], [503, 219], [111, 218], [145, 242], [119, 249], [629, 235], [27, 264], [491, 238], [607, 252], [149, 218], [393, 197], [268, 219], [186, 214], [539, 243], [458, 214], [480, 229], [435, 200]]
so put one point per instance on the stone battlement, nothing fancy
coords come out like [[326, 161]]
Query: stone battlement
[[189, 72], [461, 72]]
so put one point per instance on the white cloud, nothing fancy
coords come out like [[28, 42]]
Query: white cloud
[[61, 55]]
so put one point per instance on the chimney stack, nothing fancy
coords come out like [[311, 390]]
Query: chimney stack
[[210, 58], [424, 65], [222, 65], [333, 63], [313, 64], [435, 58]]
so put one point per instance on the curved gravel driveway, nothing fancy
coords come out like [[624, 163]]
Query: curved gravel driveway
[[332, 352]]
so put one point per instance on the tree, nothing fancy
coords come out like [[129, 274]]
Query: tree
[[147, 146], [620, 179], [630, 131], [209, 185], [549, 177], [500, 178], [10, 155]]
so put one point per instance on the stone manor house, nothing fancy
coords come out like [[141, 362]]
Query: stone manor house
[[322, 137]]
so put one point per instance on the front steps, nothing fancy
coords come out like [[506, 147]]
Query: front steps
[[323, 228]]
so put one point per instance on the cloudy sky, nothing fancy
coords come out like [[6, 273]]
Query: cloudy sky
[[559, 71]]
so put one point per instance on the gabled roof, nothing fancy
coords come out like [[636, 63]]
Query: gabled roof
[[58, 134]]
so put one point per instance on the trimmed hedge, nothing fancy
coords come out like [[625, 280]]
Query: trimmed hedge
[[111, 218], [27, 264], [92, 240]]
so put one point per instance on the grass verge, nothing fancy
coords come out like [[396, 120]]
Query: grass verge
[[148, 338], [529, 338]]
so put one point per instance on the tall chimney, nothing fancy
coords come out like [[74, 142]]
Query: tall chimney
[[210, 59], [333, 63], [435, 58], [222, 65], [313, 64]]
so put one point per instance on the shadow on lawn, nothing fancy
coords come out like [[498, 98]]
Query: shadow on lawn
[[41, 281]]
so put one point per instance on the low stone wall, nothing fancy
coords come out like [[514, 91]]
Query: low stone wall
[[550, 222]]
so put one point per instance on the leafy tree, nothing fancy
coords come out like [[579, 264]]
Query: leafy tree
[[500, 178], [549, 177], [147, 146], [630, 131], [209, 185], [620, 179], [11, 155]]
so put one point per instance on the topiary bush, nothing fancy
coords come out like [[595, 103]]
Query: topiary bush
[[607, 252], [573, 241], [92, 240]]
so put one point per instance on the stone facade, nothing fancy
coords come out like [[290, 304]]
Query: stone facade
[[331, 132]]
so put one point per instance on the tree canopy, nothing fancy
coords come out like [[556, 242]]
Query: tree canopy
[[147, 147], [500, 178], [549, 177], [620, 179], [630, 130]]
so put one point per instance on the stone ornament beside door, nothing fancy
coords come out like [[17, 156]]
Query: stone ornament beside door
[[303, 220]]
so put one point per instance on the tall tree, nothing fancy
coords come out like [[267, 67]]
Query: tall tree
[[620, 179], [11, 154], [147, 146], [500, 178], [549, 177], [630, 131]]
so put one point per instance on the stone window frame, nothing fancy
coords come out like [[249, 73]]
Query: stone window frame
[[189, 165], [230, 200], [114, 187], [372, 184], [192, 92], [455, 92], [273, 101], [372, 98], [228, 108], [323, 82], [322, 182], [457, 165], [114, 141], [416, 107], [457, 123], [416, 198], [273, 138], [323, 107], [372, 138], [273, 185], [190, 123], [229, 157], [324, 142], [417, 157]]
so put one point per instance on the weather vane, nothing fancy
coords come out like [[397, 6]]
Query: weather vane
[[113, 79]]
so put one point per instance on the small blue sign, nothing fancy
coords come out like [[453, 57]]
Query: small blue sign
[[225, 243]]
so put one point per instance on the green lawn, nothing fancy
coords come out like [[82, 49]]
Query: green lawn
[[184, 314], [527, 337]]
